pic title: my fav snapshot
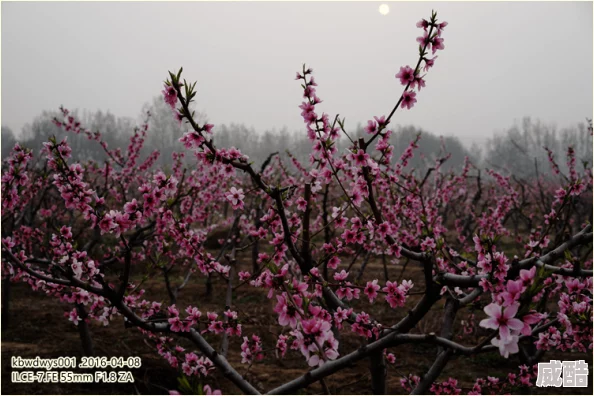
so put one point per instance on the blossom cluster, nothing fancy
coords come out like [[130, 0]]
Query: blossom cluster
[[93, 235]]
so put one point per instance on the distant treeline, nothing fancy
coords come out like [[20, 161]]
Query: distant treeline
[[519, 150]]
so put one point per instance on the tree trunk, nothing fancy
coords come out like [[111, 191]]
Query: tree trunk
[[208, 286], [377, 368], [5, 302], [256, 246], [83, 331]]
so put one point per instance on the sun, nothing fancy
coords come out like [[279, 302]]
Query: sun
[[384, 9]]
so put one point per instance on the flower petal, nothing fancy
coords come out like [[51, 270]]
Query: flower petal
[[490, 323], [511, 310], [493, 310]]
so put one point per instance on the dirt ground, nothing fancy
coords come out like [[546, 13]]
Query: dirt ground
[[37, 327]]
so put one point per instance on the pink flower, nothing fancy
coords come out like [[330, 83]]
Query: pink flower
[[395, 250], [73, 316], [281, 345], [216, 327], [513, 292], [408, 99], [423, 23], [106, 224], [333, 262], [418, 82], [383, 229], [371, 127], [308, 113], [503, 319], [424, 40], [357, 197], [341, 276], [176, 324], [132, 206], [440, 27], [172, 310], [193, 314], [527, 275], [371, 290], [209, 391], [360, 157], [506, 346], [170, 95], [253, 351], [235, 197], [390, 358], [528, 320], [287, 313], [406, 75], [437, 44], [317, 328], [191, 139], [301, 204], [244, 275], [348, 236], [428, 244], [66, 232], [429, 62], [406, 285], [395, 295], [341, 315], [381, 121], [178, 117], [208, 128]]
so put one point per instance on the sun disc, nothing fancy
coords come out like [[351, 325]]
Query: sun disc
[[384, 9]]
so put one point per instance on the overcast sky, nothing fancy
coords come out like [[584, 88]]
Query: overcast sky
[[502, 61]]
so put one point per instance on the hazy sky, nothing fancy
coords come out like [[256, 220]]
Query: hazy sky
[[502, 61]]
